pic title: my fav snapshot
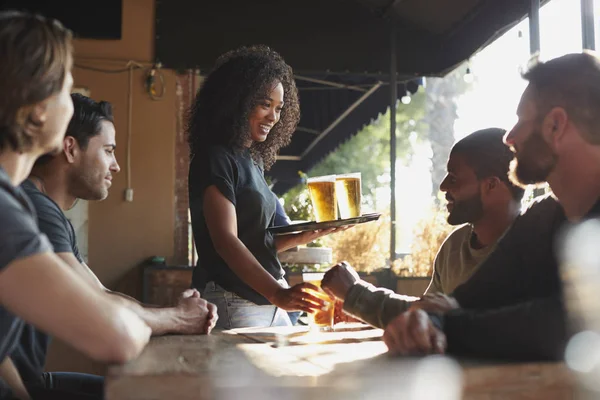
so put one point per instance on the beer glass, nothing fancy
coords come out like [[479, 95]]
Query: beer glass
[[348, 192], [323, 197], [321, 319]]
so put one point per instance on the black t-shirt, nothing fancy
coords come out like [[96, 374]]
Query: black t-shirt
[[52, 221], [523, 326], [523, 266], [242, 182], [20, 238], [30, 356]]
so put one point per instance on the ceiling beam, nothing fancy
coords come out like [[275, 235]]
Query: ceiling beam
[[329, 83], [307, 130], [288, 158]]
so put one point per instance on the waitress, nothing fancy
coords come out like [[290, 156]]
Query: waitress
[[245, 111]]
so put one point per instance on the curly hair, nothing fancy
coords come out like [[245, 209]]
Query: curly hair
[[239, 81]]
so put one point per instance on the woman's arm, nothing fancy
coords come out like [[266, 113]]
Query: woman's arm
[[286, 242], [44, 291], [221, 221]]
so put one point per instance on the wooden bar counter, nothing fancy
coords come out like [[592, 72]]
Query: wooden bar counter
[[294, 363]]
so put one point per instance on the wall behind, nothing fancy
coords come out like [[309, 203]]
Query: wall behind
[[122, 234]]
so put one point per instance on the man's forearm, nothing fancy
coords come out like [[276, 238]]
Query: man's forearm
[[161, 320], [375, 306], [528, 331]]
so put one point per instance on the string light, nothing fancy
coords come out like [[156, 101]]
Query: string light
[[151, 82], [406, 98], [468, 77]]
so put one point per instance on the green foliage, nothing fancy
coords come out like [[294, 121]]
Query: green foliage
[[441, 112], [297, 205], [368, 152]]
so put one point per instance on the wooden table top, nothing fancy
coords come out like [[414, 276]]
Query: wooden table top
[[294, 363]]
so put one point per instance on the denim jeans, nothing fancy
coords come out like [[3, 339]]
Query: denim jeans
[[68, 386], [294, 316], [237, 312]]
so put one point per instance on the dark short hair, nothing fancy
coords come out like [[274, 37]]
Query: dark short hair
[[85, 123], [573, 83], [486, 153], [36, 53], [87, 117], [239, 81]]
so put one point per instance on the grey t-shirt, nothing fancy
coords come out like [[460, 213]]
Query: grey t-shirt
[[30, 356], [52, 221], [19, 238]]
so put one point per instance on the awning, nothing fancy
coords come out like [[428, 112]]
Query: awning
[[334, 108], [338, 36], [340, 52]]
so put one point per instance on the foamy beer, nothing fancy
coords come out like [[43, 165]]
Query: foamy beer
[[321, 319], [348, 192], [323, 197]]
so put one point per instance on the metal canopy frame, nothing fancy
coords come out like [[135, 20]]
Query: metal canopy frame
[[329, 83], [320, 135], [393, 83], [340, 119], [587, 25]]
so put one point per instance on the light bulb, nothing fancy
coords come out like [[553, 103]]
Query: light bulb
[[468, 77], [406, 98]]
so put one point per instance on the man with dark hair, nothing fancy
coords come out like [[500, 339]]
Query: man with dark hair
[[35, 284], [519, 314], [84, 170], [480, 199]]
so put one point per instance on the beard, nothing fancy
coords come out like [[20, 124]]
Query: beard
[[533, 162], [87, 184], [466, 211]]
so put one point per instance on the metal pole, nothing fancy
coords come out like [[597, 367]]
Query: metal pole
[[534, 47], [329, 83], [534, 26], [587, 25], [393, 100]]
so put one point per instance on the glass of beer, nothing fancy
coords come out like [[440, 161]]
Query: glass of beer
[[321, 319], [323, 197], [348, 192]]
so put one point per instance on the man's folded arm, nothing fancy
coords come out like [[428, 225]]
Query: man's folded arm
[[535, 330]]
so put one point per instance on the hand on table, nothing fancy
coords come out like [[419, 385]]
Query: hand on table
[[412, 332], [195, 315]]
